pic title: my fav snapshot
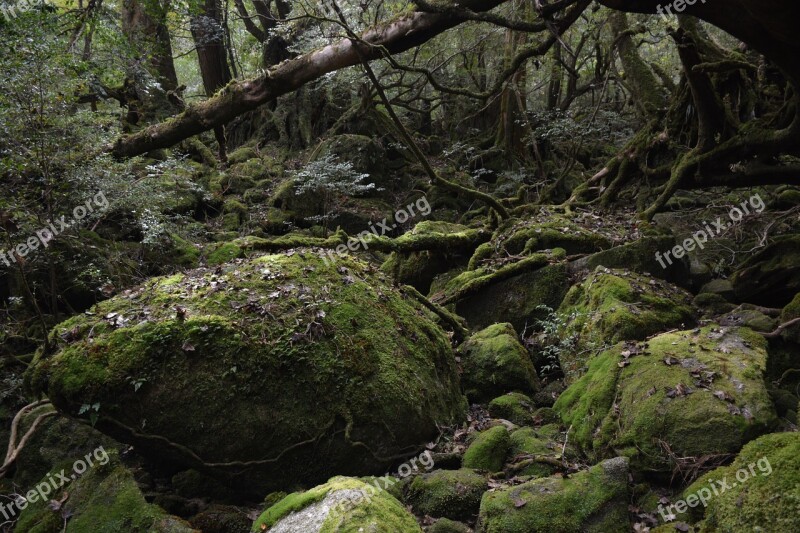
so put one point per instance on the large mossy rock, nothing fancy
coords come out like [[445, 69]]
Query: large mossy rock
[[343, 505], [764, 497], [591, 501], [105, 499], [772, 276], [683, 394], [616, 305], [494, 363], [419, 269], [640, 256], [268, 373], [519, 299]]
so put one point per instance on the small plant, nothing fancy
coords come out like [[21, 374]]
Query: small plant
[[548, 340], [93, 410], [331, 179]]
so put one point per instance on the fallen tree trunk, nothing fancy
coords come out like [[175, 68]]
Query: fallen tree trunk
[[238, 97]]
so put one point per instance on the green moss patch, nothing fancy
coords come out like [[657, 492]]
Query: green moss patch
[[684, 394], [452, 494], [489, 450], [614, 305], [594, 500]]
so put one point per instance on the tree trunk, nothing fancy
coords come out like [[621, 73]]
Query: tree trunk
[[144, 25], [209, 39]]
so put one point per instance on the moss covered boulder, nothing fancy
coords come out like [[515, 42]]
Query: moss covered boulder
[[494, 362], [682, 394], [640, 256], [343, 505], [514, 407], [516, 298], [419, 269], [489, 450], [105, 499], [759, 491], [772, 276], [452, 494], [617, 305], [537, 452], [276, 371], [592, 501]]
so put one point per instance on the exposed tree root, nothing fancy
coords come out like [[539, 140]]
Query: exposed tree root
[[15, 447]]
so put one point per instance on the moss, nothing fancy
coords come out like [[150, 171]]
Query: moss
[[514, 407], [640, 257], [712, 305], [495, 362], [452, 494], [546, 441], [445, 525], [223, 253], [764, 497], [231, 349], [363, 508], [515, 296], [594, 500], [488, 451], [637, 405], [790, 312], [183, 253], [612, 306], [105, 499]]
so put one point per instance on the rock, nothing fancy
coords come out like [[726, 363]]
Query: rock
[[105, 499], [722, 287], [749, 316], [514, 407], [544, 442], [452, 494], [549, 393], [712, 304], [763, 492], [772, 276], [518, 300], [494, 362], [488, 451], [231, 350], [592, 501], [222, 519], [527, 236], [419, 269], [614, 305], [639, 256], [684, 394], [342, 505], [790, 312], [445, 525], [54, 439]]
